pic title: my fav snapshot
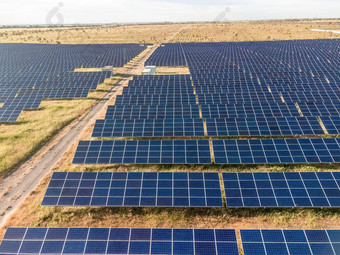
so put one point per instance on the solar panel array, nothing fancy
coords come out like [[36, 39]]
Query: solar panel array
[[119, 241], [143, 152], [148, 128], [246, 89], [169, 241], [280, 126], [277, 241], [277, 151], [163, 189], [262, 79], [290, 189], [167, 189], [33, 72]]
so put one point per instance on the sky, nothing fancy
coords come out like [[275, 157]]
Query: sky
[[14, 12]]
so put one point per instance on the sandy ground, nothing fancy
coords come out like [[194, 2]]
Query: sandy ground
[[36, 215], [198, 32]]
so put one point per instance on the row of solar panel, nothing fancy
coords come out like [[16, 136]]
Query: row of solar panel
[[167, 189], [327, 108], [169, 241], [13, 106], [134, 190], [28, 73], [255, 94], [289, 126], [152, 111], [261, 151], [208, 111]]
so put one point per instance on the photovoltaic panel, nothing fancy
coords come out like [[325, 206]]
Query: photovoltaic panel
[[298, 189], [246, 110], [149, 128], [328, 108], [183, 99], [270, 126], [139, 90], [143, 152], [119, 241], [33, 72], [163, 189], [152, 112], [332, 124], [277, 241], [277, 151]]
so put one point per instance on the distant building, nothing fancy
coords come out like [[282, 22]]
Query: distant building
[[149, 70]]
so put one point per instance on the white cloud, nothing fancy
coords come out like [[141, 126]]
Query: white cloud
[[108, 11]]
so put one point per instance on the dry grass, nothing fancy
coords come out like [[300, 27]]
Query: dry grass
[[198, 32], [93, 35], [256, 31], [172, 70], [21, 139], [38, 216]]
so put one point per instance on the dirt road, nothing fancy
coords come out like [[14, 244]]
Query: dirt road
[[19, 184]]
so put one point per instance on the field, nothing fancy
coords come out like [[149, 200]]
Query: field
[[195, 32], [38, 216], [35, 128]]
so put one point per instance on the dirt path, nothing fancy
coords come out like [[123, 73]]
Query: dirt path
[[19, 184]]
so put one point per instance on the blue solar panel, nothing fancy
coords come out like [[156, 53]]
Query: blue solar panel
[[119, 241], [281, 126], [332, 124], [273, 242], [33, 72], [152, 112], [161, 99], [249, 109], [143, 152], [149, 128], [305, 189], [164, 189], [276, 151]]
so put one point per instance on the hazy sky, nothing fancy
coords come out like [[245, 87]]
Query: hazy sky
[[108, 11]]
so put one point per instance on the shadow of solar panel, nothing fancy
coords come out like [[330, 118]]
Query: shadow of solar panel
[[119, 241], [163, 189], [277, 151], [143, 152], [277, 241], [299, 189]]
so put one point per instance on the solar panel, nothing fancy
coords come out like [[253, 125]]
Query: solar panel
[[298, 189], [276, 151], [246, 110], [149, 128], [277, 241], [152, 112], [33, 72], [143, 152], [267, 126], [332, 124], [182, 99], [119, 241], [163, 189]]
